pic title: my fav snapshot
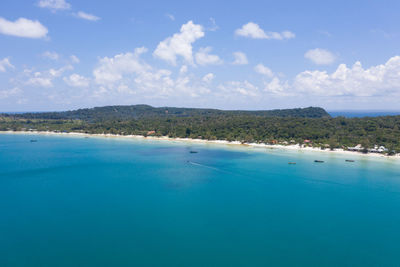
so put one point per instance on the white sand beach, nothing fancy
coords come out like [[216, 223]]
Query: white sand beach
[[293, 147]]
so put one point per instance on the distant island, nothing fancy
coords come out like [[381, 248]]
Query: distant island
[[311, 126]]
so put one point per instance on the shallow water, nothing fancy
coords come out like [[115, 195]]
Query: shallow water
[[74, 201]]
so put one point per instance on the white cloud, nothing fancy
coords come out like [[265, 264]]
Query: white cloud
[[51, 55], [112, 70], [54, 4], [214, 25], [183, 69], [240, 58], [275, 86], [242, 88], [260, 68], [208, 77], [180, 44], [253, 30], [40, 81], [60, 71], [170, 16], [204, 58], [130, 75], [76, 80], [5, 64], [355, 81], [23, 27], [320, 56], [87, 16], [74, 59], [45, 78], [11, 92]]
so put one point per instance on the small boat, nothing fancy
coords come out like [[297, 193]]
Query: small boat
[[193, 152], [349, 160], [33, 141], [292, 163], [319, 161]]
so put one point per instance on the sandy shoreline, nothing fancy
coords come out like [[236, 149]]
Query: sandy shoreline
[[296, 147]]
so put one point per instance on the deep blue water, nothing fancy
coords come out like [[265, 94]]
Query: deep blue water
[[362, 113], [73, 201]]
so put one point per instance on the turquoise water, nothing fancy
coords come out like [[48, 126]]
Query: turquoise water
[[74, 201]]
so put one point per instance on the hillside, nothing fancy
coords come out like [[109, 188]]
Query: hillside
[[146, 111]]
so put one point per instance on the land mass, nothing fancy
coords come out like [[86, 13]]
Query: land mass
[[311, 126]]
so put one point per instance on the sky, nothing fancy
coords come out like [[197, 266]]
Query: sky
[[69, 54]]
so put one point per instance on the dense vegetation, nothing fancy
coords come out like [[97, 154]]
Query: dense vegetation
[[144, 111], [291, 126]]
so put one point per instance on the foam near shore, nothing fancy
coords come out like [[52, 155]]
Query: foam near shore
[[294, 147]]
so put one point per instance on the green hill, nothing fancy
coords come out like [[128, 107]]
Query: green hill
[[146, 111]]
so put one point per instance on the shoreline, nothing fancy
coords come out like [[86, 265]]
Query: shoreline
[[295, 147]]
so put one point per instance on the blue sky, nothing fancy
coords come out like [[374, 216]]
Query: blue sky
[[67, 54]]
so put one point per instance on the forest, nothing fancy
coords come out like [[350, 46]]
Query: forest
[[270, 127]]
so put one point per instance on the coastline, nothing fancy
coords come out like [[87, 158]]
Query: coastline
[[295, 147]]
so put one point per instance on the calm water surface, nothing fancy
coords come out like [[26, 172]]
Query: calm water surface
[[73, 201]]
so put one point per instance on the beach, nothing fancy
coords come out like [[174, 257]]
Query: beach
[[292, 147]]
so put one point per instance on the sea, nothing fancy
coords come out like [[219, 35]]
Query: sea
[[362, 113], [76, 201]]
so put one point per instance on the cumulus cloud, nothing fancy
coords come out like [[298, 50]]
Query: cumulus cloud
[[240, 58], [51, 55], [111, 70], [253, 30], [380, 80], [45, 78], [208, 77], [277, 87], [183, 69], [260, 68], [87, 16], [180, 44], [76, 80], [54, 4], [320, 56], [204, 58], [8, 93], [40, 81], [23, 27], [58, 72], [242, 88], [74, 59], [128, 74], [5, 64]]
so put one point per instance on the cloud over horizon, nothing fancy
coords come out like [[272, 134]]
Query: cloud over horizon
[[67, 54]]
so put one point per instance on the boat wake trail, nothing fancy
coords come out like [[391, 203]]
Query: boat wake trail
[[205, 166], [224, 171]]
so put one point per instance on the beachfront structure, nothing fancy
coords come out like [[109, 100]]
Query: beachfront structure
[[376, 149], [355, 148]]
